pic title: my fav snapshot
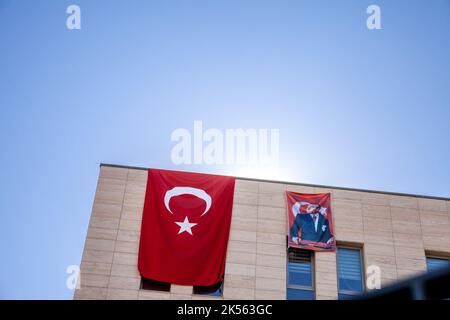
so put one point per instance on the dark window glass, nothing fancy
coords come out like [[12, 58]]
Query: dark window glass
[[300, 272], [148, 284], [300, 275], [214, 290], [437, 263], [299, 294], [343, 296], [350, 277]]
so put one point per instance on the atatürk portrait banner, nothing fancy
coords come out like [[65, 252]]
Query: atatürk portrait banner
[[310, 222]]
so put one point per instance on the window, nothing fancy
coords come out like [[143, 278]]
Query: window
[[437, 263], [350, 274], [300, 280], [148, 284], [214, 290]]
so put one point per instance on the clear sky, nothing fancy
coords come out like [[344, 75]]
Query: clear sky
[[355, 107]]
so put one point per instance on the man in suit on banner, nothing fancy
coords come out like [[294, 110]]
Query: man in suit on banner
[[313, 225], [310, 221]]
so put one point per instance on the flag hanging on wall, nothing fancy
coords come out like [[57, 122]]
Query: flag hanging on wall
[[185, 227], [310, 222]]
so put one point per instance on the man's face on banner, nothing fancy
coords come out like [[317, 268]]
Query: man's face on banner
[[312, 208]]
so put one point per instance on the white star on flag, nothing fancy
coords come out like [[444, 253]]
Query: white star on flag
[[186, 226]]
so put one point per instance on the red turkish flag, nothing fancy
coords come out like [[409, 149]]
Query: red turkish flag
[[185, 227]]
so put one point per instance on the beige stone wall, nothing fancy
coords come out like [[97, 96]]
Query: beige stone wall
[[395, 233]]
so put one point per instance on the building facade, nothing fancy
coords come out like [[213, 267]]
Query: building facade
[[397, 233]]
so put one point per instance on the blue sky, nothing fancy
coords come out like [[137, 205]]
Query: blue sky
[[355, 107]]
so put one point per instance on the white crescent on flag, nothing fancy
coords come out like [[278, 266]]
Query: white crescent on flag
[[177, 191]]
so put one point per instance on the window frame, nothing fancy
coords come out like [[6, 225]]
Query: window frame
[[196, 289], [313, 274], [434, 256], [154, 285], [362, 267]]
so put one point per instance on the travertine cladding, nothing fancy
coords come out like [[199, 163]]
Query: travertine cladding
[[394, 232]]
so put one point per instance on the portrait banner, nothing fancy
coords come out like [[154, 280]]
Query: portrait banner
[[310, 221]]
